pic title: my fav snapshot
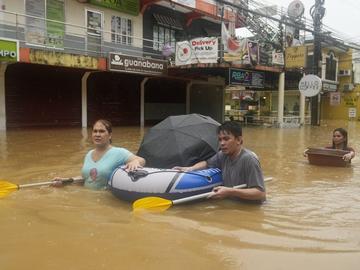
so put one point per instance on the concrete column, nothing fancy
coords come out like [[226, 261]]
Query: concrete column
[[3, 67], [142, 102], [281, 99], [84, 99], [188, 89], [302, 109]]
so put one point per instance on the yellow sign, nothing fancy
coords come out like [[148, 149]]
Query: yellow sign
[[295, 57], [62, 59]]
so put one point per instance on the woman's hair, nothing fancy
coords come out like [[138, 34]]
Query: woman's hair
[[107, 124], [343, 132]]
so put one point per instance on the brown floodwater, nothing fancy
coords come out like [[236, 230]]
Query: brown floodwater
[[311, 219]]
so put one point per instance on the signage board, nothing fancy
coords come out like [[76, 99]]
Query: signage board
[[246, 78], [127, 6], [295, 57], [352, 112], [134, 64], [9, 50], [335, 98], [310, 85], [329, 87], [197, 50]]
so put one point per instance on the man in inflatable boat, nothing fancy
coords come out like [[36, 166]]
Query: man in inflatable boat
[[238, 165]]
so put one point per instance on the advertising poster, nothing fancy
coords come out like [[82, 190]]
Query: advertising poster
[[55, 11]]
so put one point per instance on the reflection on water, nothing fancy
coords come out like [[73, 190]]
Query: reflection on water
[[310, 220]]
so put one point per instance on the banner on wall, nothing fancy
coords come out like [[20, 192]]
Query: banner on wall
[[55, 11], [197, 50], [241, 51]]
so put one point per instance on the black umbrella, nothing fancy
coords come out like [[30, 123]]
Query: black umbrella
[[180, 140]]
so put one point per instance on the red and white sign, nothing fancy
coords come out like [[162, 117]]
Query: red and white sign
[[197, 50]]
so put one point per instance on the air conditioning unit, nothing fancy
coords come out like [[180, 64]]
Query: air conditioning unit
[[348, 87], [344, 72]]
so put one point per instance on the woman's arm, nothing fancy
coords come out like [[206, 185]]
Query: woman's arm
[[134, 162], [349, 156], [61, 181]]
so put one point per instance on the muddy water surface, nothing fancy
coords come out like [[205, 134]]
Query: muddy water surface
[[310, 221]]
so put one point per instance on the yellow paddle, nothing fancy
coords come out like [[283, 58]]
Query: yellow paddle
[[7, 187], [158, 204]]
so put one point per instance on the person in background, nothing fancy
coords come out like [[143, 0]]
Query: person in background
[[238, 166], [100, 162], [340, 141]]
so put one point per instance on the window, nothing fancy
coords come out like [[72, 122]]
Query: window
[[163, 35], [331, 66], [121, 30]]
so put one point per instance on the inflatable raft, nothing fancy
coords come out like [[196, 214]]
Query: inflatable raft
[[327, 157], [165, 183]]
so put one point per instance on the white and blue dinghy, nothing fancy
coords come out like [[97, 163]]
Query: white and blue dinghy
[[165, 183]]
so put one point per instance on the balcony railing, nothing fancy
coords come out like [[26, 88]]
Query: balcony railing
[[36, 32]]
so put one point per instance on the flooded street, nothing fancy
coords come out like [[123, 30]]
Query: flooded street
[[311, 219]]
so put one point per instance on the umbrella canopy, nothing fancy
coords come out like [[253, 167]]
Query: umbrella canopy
[[180, 140]]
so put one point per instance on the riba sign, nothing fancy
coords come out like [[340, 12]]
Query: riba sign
[[310, 85], [133, 64], [9, 50], [246, 78]]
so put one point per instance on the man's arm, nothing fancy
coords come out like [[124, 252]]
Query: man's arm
[[253, 194], [198, 166]]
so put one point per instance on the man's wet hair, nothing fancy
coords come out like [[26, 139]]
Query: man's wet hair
[[232, 127]]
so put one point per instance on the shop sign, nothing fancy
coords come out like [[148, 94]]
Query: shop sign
[[329, 87], [310, 85], [62, 59], [278, 58], [335, 98], [198, 50], [133, 64], [295, 57], [126, 6], [246, 78], [9, 50]]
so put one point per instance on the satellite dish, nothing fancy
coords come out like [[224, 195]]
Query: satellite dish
[[296, 9]]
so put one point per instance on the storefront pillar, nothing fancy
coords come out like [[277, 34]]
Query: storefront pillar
[[281, 99], [188, 89], [3, 67], [142, 102], [84, 99], [302, 109]]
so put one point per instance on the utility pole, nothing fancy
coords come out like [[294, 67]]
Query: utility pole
[[317, 12]]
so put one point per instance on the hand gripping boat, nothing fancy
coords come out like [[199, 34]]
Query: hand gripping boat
[[166, 183]]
